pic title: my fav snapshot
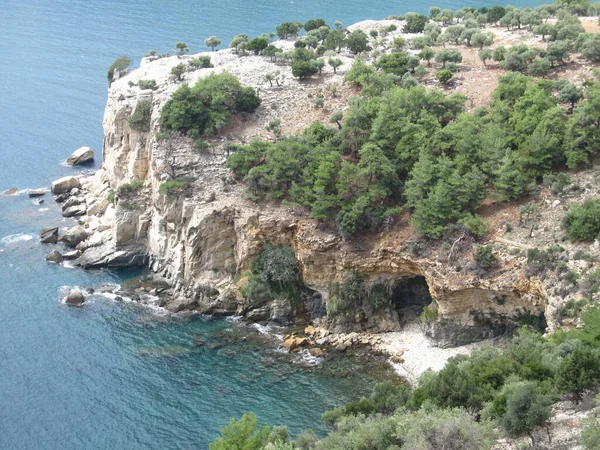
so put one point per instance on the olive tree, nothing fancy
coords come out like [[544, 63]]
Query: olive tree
[[212, 42]]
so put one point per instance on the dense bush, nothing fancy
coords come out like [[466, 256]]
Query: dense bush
[[583, 221], [129, 188], [147, 84], [140, 119], [201, 62], [173, 188], [206, 107]]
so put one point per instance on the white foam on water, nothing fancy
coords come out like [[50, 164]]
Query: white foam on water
[[309, 359], [43, 209], [68, 265], [16, 238]]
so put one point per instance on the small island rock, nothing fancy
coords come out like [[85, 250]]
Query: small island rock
[[55, 257], [36, 192], [75, 298], [81, 156], [49, 235]]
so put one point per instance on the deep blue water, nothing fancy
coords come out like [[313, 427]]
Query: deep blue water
[[112, 375]]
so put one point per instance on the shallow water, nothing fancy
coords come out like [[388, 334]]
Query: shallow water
[[112, 375]]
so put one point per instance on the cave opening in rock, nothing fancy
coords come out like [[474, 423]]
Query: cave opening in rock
[[409, 297]]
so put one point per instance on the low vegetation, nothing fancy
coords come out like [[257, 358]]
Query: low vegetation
[[205, 108]]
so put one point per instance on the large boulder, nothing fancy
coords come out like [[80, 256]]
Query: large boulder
[[49, 235], [81, 156], [74, 236], [72, 211], [65, 184], [55, 257], [75, 298]]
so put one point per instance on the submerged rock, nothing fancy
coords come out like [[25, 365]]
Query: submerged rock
[[49, 235], [11, 191], [65, 184], [80, 156], [75, 298], [55, 257]]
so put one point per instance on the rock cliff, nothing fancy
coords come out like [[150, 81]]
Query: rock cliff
[[206, 237]]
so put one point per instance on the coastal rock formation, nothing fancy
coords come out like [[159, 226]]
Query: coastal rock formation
[[202, 238], [74, 298], [49, 235], [74, 236], [81, 156], [65, 184], [55, 257]]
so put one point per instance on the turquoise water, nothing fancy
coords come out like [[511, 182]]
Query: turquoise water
[[113, 375]]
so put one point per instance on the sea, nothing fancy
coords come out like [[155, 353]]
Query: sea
[[115, 375]]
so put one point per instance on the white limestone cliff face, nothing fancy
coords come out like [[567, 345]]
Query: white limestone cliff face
[[202, 239]]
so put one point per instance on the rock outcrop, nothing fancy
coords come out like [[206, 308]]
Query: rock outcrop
[[202, 238], [81, 156], [74, 298]]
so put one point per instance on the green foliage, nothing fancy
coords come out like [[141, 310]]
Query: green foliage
[[243, 434], [583, 221], [201, 62], [212, 42], [206, 107], [178, 71], [140, 119], [590, 434], [147, 84], [415, 23], [288, 29], [176, 187], [578, 370], [484, 256], [476, 225], [446, 55], [444, 75], [357, 42], [314, 24], [181, 48], [120, 64], [129, 188], [304, 69]]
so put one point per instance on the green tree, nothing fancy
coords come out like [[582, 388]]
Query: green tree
[[482, 39], [583, 221], [414, 23], [178, 71], [525, 408], [243, 434], [540, 67], [119, 64], [485, 54], [304, 69], [258, 44], [334, 63], [446, 55], [314, 24], [578, 371], [206, 107], [427, 54], [336, 118], [288, 29], [335, 40], [212, 42], [357, 42], [590, 434], [181, 48]]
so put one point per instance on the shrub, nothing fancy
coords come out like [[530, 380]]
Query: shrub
[[444, 75], [132, 187], [212, 42], [583, 221], [201, 62], [176, 187], [304, 69], [415, 23], [120, 64], [206, 107], [141, 117], [357, 42], [475, 224], [181, 48], [484, 256], [243, 434], [148, 84], [178, 71], [590, 434]]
